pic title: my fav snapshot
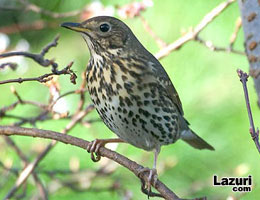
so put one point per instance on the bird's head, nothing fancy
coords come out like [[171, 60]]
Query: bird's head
[[103, 34]]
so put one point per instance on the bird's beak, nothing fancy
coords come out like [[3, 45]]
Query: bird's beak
[[74, 26]]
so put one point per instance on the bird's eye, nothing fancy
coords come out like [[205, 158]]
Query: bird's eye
[[104, 27]]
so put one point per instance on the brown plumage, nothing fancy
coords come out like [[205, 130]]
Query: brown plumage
[[131, 90]]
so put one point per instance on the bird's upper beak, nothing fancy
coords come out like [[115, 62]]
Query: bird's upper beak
[[74, 26]]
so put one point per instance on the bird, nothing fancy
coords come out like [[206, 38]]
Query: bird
[[131, 91]]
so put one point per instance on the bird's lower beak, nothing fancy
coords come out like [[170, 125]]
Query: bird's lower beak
[[74, 26]]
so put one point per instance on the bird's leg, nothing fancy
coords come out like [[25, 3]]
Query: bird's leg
[[152, 173], [93, 146]]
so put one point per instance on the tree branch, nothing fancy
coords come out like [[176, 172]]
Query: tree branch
[[67, 139], [207, 19], [39, 58], [42, 190], [46, 77], [149, 30], [77, 117], [233, 37], [212, 47]]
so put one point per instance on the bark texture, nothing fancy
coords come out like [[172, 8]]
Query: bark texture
[[250, 13]]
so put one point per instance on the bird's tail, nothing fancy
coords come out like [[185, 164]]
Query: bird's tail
[[194, 140]]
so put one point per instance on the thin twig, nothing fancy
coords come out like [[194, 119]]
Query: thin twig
[[42, 79], [63, 172], [233, 37], [207, 19], [32, 120], [212, 47], [39, 58], [46, 77], [157, 39], [80, 91], [3, 110], [254, 133], [39, 184], [30, 167]]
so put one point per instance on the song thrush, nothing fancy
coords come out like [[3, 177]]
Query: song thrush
[[131, 91]]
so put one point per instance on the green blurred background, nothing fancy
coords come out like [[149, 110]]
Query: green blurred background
[[206, 81]]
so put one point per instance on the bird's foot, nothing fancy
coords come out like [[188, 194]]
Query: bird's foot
[[94, 146], [152, 178]]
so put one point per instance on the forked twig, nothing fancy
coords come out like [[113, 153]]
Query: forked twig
[[39, 58], [192, 34], [46, 77]]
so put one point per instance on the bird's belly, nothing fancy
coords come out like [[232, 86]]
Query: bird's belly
[[134, 107], [142, 124]]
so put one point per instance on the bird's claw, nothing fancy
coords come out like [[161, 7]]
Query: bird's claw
[[93, 148], [152, 178], [95, 157]]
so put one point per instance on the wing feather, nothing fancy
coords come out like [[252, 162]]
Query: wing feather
[[166, 83]]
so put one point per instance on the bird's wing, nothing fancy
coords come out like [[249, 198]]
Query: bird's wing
[[166, 83], [155, 67]]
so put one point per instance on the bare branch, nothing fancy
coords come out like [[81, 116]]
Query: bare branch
[[67, 139], [42, 79], [254, 133], [54, 43], [39, 58], [234, 34], [37, 180], [46, 77], [207, 19], [147, 27], [3, 110], [30, 167], [212, 47]]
